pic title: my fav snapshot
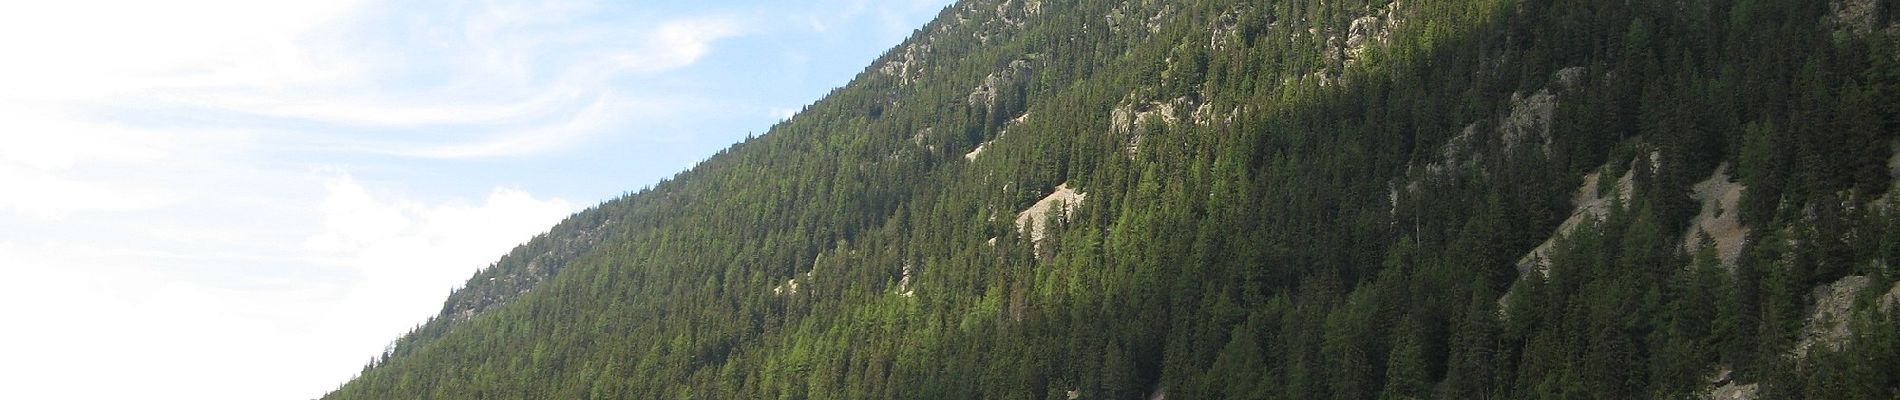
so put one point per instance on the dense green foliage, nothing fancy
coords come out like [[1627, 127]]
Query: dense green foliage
[[1310, 222]]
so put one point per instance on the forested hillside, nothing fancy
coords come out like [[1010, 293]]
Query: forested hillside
[[1198, 199]]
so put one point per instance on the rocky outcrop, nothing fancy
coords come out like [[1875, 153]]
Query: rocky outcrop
[[1529, 121], [981, 20], [790, 287], [1722, 386], [1146, 15], [1887, 301], [1530, 117], [1893, 163], [523, 268], [1226, 30], [971, 156], [1373, 29], [1893, 170], [993, 85], [992, 18], [1719, 221], [980, 147], [1064, 201], [1127, 120], [906, 65], [903, 282], [1827, 321], [1589, 207], [1366, 32], [1014, 13], [1860, 17]]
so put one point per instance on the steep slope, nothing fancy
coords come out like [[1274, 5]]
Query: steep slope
[[1256, 200]]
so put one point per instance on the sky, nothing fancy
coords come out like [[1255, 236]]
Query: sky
[[234, 199]]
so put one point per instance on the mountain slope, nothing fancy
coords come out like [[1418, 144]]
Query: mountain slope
[[1239, 199]]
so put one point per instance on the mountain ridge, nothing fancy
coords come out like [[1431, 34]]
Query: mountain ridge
[[1360, 224]]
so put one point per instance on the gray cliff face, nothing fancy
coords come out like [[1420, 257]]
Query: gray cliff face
[[519, 271], [1862, 17]]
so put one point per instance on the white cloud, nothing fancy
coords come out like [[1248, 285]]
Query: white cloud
[[510, 97], [84, 311], [402, 245], [597, 116], [279, 322], [52, 196], [52, 167], [511, 65], [372, 233], [526, 71], [409, 254], [782, 113], [677, 44], [90, 48]]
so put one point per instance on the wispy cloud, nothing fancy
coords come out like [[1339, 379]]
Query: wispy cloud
[[295, 321], [521, 68], [81, 49], [269, 192], [599, 115], [142, 154], [677, 44]]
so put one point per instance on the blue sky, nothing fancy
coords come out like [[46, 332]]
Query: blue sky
[[215, 199]]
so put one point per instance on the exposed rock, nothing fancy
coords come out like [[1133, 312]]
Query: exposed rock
[[1893, 163], [1571, 78], [1372, 29], [1589, 207], [1392, 197], [1723, 387], [1457, 151], [1827, 321], [1335, 52], [971, 156], [1721, 196], [992, 85], [1120, 17], [904, 65], [1205, 115], [1857, 16], [1530, 117], [1893, 169], [903, 284], [1009, 13], [1227, 29], [1529, 120], [1888, 300], [1127, 119], [522, 269], [1362, 27], [790, 287], [1063, 200], [1365, 31], [1733, 391], [918, 138]]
